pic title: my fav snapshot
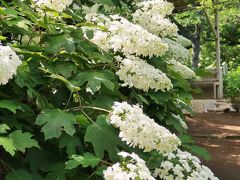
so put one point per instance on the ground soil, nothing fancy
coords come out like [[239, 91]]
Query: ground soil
[[219, 133]]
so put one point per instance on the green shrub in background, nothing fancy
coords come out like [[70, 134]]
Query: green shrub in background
[[232, 86]]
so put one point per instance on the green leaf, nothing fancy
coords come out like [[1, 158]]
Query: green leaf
[[41, 159], [170, 121], [12, 106], [90, 34], [70, 143], [186, 139], [95, 79], [55, 121], [107, 2], [4, 128], [82, 120], [99, 171], [2, 38], [160, 97], [58, 41], [198, 151], [58, 172], [104, 101], [10, 11], [69, 85], [22, 140], [19, 174], [65, 69], [86, 160], [103, 138], [103, 58], [8, 145]]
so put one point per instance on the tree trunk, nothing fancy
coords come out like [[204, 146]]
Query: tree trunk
[[196, 46]]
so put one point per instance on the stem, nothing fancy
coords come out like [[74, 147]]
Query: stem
[[95, 108], [90, 119], [6, 165], [89, 107], [69, 99], [105, 162]]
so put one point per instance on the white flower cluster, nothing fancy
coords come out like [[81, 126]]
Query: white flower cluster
[[131, 168], [183, 166], [183, 41], [177, 51], [54, 4], [128, 38], [155, 24], [9, 62], [156, 7], [185, 71], [92, 15], [101, 39], [151, 15], [138, 73], [137, 129]]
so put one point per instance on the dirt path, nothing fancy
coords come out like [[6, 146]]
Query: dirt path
[[220, 135]]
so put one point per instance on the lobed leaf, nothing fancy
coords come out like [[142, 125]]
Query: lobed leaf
[[55, 121], [86, 160], [103, 137]]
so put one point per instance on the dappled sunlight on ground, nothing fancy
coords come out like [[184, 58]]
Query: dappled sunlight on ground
[[220, 135], [232, 128]]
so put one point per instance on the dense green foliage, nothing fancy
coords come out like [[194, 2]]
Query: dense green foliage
[[232, 87], [54, 113], [232, 84], [194, 23]]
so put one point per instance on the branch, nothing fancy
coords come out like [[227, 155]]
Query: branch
[[186, 33], [210, 23]]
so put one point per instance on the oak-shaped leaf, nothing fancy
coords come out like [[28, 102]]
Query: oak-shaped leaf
[[19, 174], [88, 159], [22, 140], [55, 121], [95, 79], [7, 144], [103, 137]]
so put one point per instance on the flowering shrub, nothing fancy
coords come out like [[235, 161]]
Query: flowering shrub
[[58, 6], [91, 82], [133, 68], [183, 165], [137, 129], [152, 16], [134, 168], [129, 38], [185, 72]]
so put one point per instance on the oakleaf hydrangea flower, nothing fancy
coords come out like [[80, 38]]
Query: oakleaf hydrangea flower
[[182, 165], [177, 51], [137, 129], [138, 73], [57, 5], [183, 41], [151, 15], [100, 38], [185, 71], [9, 62], [127, 37], [132, 167], [156, 7], [155, 23]]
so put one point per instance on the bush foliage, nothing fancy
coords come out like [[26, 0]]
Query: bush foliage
[[54, 113]]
